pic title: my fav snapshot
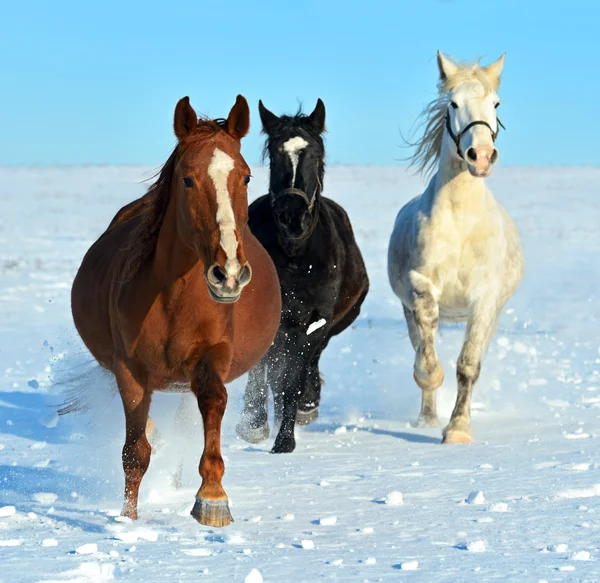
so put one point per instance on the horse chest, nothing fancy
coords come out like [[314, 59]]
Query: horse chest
[[305, 295]]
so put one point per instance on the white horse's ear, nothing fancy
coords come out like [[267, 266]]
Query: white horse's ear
[[495, 69], [446, 66]]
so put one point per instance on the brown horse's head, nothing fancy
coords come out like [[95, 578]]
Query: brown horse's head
[[211, 181]]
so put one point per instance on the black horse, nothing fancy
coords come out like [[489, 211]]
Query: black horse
[[321, 271]]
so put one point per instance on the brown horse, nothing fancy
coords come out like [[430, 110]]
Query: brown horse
[[158, 298]]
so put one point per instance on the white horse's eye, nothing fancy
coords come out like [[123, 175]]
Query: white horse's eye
[[454, 104], [497, 105]]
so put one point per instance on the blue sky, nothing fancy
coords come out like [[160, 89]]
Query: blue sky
[[97, 82]]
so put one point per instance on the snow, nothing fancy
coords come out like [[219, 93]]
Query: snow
[[535, 420], [394, 498], [316, 325], [475, 497], [6, 511]]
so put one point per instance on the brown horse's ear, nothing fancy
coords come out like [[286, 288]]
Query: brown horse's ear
[[268, 118], [238, 121], [185, 119], [318, 116]]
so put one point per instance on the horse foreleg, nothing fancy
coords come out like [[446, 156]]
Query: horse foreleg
[[297, 356], [253, 426], [136, 451], [422, 323], [212, 505], [480, 329]]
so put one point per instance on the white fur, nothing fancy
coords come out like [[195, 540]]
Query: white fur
[[219, 169], [293, 147], [455, 254]]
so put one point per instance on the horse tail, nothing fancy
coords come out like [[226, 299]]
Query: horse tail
[[84, 390]]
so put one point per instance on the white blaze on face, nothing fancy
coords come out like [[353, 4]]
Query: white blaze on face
[[219, 169], [293, 147]]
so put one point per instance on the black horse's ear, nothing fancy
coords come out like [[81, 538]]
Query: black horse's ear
[[268, 118], [318, 116]]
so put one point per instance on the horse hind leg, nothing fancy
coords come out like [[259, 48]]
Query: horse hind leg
[[480, 329], [422, 323], [137, 450], [253, 426]]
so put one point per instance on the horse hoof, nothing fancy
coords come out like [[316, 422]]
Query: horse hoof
[[212, 512], [284, 445], [423, 421], [307, 417], [457, 436], [252, 434]]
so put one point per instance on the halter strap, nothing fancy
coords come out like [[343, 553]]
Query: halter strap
[[310, 202], [456, 138]]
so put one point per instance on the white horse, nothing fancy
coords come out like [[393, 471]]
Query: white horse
[[455, 253]]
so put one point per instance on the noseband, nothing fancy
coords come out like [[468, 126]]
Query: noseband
[[310, 202], [456, 138]]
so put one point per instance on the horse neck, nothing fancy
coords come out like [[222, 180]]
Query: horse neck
[[453, 186], [173, 258]]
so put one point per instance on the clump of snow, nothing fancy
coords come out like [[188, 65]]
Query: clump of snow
[[289, 516], [558, 548], [7, 511], [498, 507], [409, 565], [255, 519], [253, 577], [307, 544], [476, 546], [394, 498], [46, 498], [337, 562], [580, 556], [370, 561], [316, 325], [87, 549], [49, 542], [475, 497], [340, 430], [367, 530], [201, 552], [235, 539], [11, 542], [328, 520]]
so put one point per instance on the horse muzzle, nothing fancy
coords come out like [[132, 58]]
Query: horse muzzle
[[224, 287]]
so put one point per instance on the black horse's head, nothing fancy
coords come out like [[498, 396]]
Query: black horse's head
[[296, 150]]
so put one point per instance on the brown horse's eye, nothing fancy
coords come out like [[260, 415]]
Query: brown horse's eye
[[247, 180], [188, 182]]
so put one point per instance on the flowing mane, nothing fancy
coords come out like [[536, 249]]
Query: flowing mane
[[151, 213], [432, 120]]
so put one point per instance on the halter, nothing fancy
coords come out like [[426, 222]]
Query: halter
[[310, 202], [456, 138]]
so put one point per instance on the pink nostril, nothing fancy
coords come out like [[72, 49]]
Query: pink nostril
[[483, 153]]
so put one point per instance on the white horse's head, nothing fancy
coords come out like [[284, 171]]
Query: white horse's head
[[471, 123]]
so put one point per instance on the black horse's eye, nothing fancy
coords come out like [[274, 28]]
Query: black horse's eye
[[188, 182], [497, 105], [454, 104], [247, 180]]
